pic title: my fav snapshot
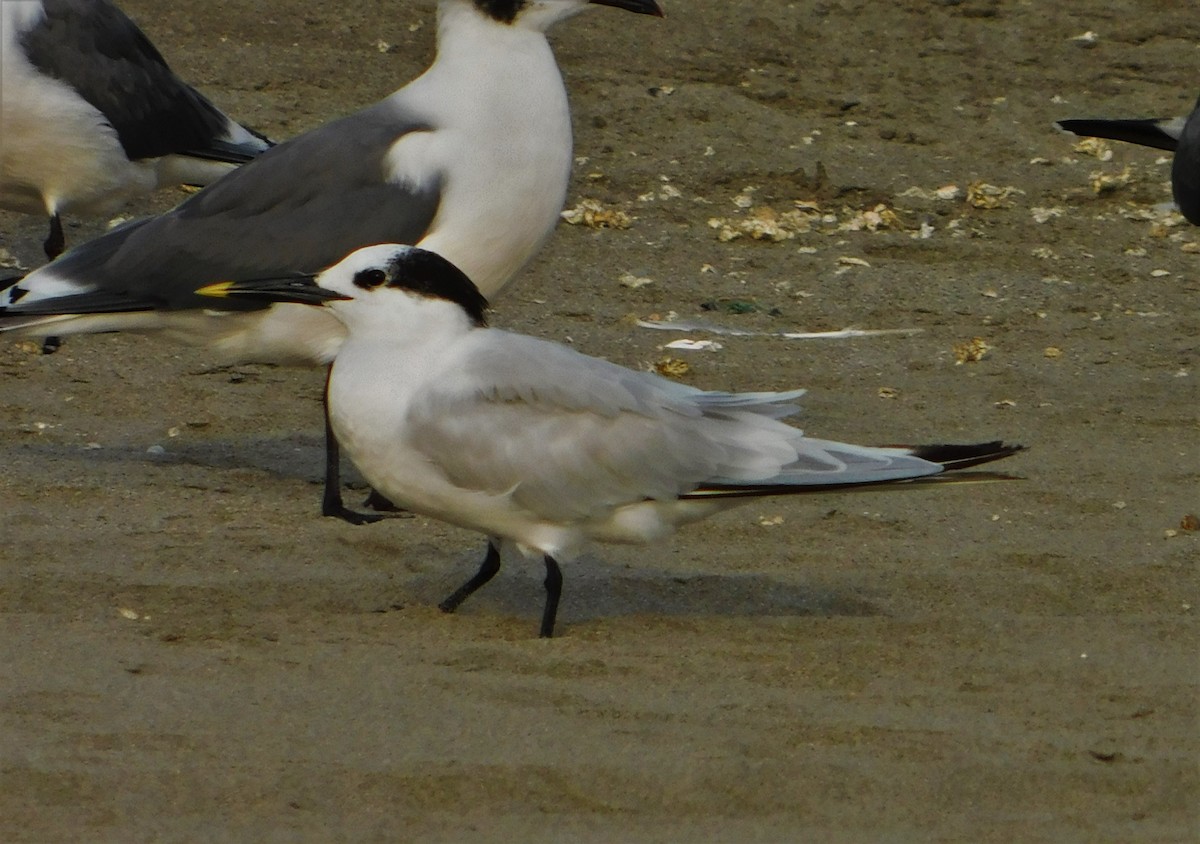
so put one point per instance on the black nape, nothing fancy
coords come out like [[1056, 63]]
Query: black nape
[[430, 274], [504, 11]]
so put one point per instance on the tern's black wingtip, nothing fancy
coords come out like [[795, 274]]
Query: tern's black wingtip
[[955, 456]]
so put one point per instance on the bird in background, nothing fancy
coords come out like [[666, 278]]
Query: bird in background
[[1180, 135], [91, 115], [471, 159], [540, 447]]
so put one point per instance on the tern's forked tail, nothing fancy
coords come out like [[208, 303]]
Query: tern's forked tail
[[951, 457]]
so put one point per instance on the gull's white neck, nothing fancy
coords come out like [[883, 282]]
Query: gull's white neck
[[503, 138]]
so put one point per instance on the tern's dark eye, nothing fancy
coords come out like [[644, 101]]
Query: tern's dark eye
[[370, 279]]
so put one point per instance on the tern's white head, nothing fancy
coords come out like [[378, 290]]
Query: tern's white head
[[382, 285], [391, 276]]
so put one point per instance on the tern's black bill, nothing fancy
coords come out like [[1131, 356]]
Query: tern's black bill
[[301, 290]]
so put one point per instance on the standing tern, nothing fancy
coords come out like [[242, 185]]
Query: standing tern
[[538, 446], [1180, 135], [471, 159], [91, 115]]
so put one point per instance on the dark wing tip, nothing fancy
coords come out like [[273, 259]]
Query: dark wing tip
[[1146, 132], [228, 152], [953, 456]]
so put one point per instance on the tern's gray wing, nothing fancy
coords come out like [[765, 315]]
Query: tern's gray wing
[[572, 436], [300, 207], [93, 47]]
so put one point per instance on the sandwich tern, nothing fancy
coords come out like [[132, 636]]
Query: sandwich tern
[[543, 448]]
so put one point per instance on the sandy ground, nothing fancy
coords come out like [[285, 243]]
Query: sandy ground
[[191, 654]]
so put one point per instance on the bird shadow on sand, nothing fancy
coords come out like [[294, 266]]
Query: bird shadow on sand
[[607, 590], [595, 587], [295, 456]]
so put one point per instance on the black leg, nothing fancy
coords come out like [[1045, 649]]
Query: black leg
[[331, 502], [553, 593], [487, 570], [54, 244], [56, 241]]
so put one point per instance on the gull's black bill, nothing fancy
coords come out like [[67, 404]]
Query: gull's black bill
[[301, 290], [642, 7]]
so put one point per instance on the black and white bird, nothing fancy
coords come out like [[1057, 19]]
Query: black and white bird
[[1180, 135], [91, 115], [471, 159], [543, 448]]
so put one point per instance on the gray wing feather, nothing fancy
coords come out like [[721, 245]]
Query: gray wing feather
[[574, 436], [300, 207]]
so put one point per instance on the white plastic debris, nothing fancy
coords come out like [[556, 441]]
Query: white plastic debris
[[695, 345], [843, 334]]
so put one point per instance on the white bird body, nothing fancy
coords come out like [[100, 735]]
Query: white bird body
[[524, 458], [80, 166], [542, 447], [90, 114], [534, 442]]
